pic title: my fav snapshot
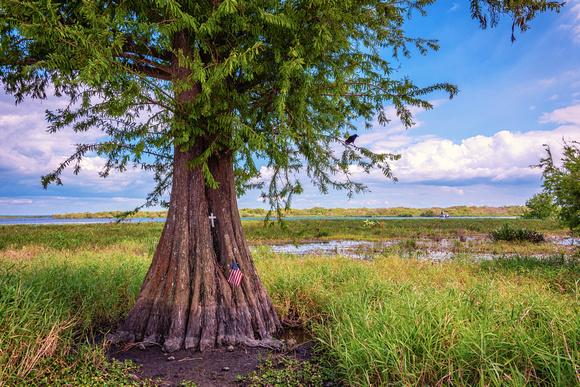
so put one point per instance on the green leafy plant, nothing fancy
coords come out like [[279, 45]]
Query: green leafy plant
[[288, 372], [540, 206], [563, 182], [510, 234]]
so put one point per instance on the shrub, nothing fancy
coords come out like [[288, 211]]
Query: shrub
[[563, 182], [507, 233], [540, 206]]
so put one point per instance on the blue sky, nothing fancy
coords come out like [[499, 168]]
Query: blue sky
[[473, 150]]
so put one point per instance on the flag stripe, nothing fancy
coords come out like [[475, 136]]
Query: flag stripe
[[236, 275]]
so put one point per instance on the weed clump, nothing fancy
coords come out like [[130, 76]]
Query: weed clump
[[510, 234], [288, 372]]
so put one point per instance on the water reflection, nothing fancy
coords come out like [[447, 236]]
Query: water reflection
[[328, 247], [567, 241], [420, 248]]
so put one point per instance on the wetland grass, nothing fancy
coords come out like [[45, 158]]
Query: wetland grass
[[396, 321], [393, 320], [378, 230], [78, 236], [55, 303]]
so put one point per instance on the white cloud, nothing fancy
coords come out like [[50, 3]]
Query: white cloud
[[568, 115], [266, 174], [503, 157], [453, 190], [27, 152], [15, 201], [453, 8], [26, 148], [572, 23], [547, 82]]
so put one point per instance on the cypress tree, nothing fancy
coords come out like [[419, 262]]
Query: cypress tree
[[196, 92]]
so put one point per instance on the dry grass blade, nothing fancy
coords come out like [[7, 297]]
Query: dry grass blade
[[45, 347]]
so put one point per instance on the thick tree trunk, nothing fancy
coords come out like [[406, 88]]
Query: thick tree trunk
[[185, 300]]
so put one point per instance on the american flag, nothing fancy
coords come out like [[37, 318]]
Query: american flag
[[235, 275]]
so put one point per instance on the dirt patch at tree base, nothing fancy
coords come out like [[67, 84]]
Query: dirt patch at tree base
[[215, 367]]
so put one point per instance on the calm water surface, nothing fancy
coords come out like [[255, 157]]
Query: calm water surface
[[50, 220]]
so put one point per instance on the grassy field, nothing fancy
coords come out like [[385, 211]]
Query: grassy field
[[75, 236], [394, 320]]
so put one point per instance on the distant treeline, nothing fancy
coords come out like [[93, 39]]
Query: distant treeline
[[395, 211], [338, 212]]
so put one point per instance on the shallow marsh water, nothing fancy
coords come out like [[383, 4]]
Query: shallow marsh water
[[421, 248], [367, 250]]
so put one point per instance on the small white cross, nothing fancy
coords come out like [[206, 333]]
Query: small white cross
[[212, 217]]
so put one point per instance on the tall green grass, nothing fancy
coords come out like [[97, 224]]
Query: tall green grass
[[91, 236], [53, 306], [32, 327], [469, 337], [77, 236], [393, 320], [397, 321]]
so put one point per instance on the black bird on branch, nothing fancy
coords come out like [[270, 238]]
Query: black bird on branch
[[351, 139]]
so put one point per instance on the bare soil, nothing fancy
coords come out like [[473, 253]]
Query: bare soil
[[214, 367]]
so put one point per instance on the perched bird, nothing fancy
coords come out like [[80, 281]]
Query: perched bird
[[351, 139]]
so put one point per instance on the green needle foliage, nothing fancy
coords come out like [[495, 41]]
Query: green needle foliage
[[275, 80]]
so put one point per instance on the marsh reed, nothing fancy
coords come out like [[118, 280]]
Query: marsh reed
[[392, 320]]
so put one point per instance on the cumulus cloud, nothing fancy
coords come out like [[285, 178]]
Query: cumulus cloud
[[29, 151], [454, 190], [502, 158], [266, 174], [26, 147], [505, 156]]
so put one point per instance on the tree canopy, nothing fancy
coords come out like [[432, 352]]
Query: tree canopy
[[562, 181], [275, 80], [197, 91], [540, 206]]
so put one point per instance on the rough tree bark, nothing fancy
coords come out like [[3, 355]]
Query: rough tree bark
[[185, 300]]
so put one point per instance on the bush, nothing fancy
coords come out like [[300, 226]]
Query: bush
[[507, 233], [540, 206], [563, 182]]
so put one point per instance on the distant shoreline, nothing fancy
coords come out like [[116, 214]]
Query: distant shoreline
[[22, 216], [406, 212]]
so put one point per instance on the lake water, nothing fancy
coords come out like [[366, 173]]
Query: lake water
[[50, 220]]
